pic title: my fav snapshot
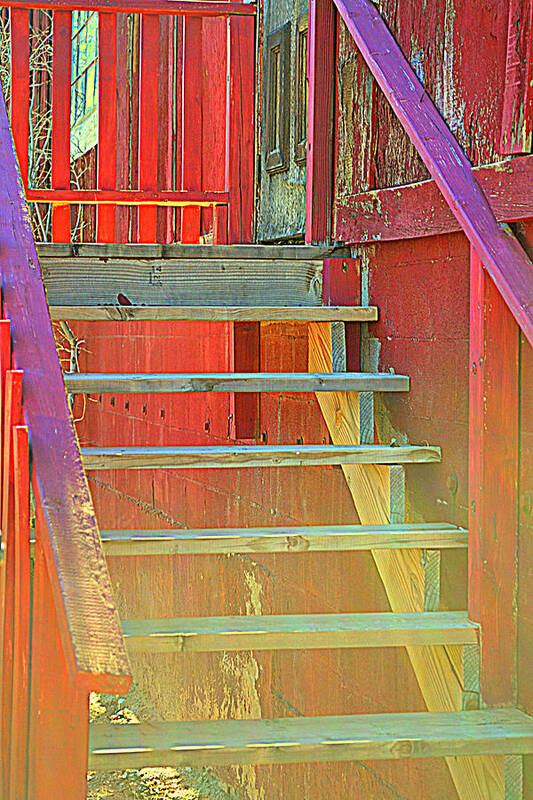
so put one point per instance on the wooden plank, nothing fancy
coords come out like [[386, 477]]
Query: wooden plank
[[282, 539], [216, 313], [297, 631], [493, 473], [192, 252], [252, 456], [62, 51], [500, 251], [419, 209], [321, 74], [359, 737], [89, 625], [126, 197], [438, 670], [182, 8], [517, 117], [241, 129], [76, 281], [148, 123], [107, 123], [20, 87], [192, 111], [79, 383]]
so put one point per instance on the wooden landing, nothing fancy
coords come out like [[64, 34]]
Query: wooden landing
[[105, 383], [345, 738], [190, 252], [169, 313], [298, 631], [283, 540], [253, 456]]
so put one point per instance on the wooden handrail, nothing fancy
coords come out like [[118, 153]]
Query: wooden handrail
[[182, 8], [89, 626], [503, 257]]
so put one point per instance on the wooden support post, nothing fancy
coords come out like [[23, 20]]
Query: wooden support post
[[321, 73], [107, 123], [493, 476], [59, 711], [431, 565], [62, 49], [20, 87], [148, 126], [21, 616], [471, 676], [192, 125]]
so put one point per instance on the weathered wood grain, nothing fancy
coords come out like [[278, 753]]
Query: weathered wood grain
[[419, 209], [282, 540], [183, 282], [184, 8], [194, 251], [252, 456], [297, 631], [105, 383], [364, 736], [504, 258], [216, 313]]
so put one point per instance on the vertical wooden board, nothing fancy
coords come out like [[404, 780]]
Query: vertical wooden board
[[342, 287], [192, 111], [21, 616], [20, 86], [165, 163], [107, 122], [517, 115], [214, 56], [123, 142], [241, 129], [494, 404], [62, 49], [59, 712], [149, 113], [178, 118], [321, 73], [247, 347]]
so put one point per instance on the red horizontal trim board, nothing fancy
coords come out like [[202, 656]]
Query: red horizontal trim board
[[504, 258], [126, 197], [419, 209], [181, 8]]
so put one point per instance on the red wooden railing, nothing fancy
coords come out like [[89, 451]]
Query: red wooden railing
[[60, 637], [206, 178]]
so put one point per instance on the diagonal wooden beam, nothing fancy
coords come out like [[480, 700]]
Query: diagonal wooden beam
[[502, 255]]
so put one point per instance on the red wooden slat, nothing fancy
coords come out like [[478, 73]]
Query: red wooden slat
[[20, 86], [148, 124], [493, 482], [107, 122], [192, 125], [21, 615], [59, 710], [126, 197], [506, 261], [321, 71], [12, 414], [165, 217], [341, 286], [90, 628], [186, 8], [241, 130], [62, 48], [123, 124]]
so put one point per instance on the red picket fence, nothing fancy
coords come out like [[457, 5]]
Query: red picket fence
[[187, 141]]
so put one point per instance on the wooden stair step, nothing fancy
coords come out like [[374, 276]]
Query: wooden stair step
[[310, 739], [126, 313], [106, 383], [295, 631], [283, 539], [191, 252], [253, 456]]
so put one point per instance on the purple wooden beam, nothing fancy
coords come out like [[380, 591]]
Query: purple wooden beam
[[90, 628], [502, 255]]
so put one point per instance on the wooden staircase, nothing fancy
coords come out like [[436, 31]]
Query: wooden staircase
[[145, 282]]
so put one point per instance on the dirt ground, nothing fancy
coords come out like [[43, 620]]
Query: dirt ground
[[135, 784]]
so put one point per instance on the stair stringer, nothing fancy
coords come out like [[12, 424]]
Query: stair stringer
[[438, 669]]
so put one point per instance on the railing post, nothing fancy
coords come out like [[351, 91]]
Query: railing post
[[321, 72], [148, 123], [62, 49], [107, 123], [493, 481], [20, 86]]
